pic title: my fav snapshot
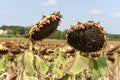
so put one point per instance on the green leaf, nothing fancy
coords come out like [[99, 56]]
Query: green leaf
[[28, 62], [29, 77], [56, 51], [79, 65], [18, 57], [66, 77], [32, 78], [3, 63], [102, 63], [59, 66], [41, 65], [60, 61], [95, 69], [98, 67], [58, 73]]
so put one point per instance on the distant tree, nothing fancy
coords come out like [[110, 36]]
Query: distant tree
[[57, 35], [15, 30], [113, 36]]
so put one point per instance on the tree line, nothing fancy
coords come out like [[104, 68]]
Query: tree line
[[21, 31]]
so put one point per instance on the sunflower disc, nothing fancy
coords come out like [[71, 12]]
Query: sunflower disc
[[86, 37]]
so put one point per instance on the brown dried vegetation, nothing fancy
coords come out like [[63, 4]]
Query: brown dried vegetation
[[45, 26], [86, 37]]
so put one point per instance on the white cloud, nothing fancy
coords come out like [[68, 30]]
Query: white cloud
[[115, 15], [95, 11], [49, 2]]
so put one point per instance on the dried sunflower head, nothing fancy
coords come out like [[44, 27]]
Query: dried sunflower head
[[3, 50], [45, 26], [86, 37]]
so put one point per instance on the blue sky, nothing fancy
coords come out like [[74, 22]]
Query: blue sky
[[29, 12]]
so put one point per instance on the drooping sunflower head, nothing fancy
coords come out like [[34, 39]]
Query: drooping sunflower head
[[86, 37], [45, 26], [3, 50]]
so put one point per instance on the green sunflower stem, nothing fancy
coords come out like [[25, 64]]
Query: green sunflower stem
[[74, 77], [31, 47]]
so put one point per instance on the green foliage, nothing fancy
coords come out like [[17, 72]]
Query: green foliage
[[28, 62], [57, 35], [7, 35], [60, 61], [21, 31], [115, 37], [41, 65], [29, 77], [3, 63], [66, 77], [59, 66], [79, 65], [32, 78], [98, 67], [14, 31], [56, 65], [58, 73]]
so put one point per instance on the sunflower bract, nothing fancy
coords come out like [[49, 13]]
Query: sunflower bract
[[45, 26], [86, 37]]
